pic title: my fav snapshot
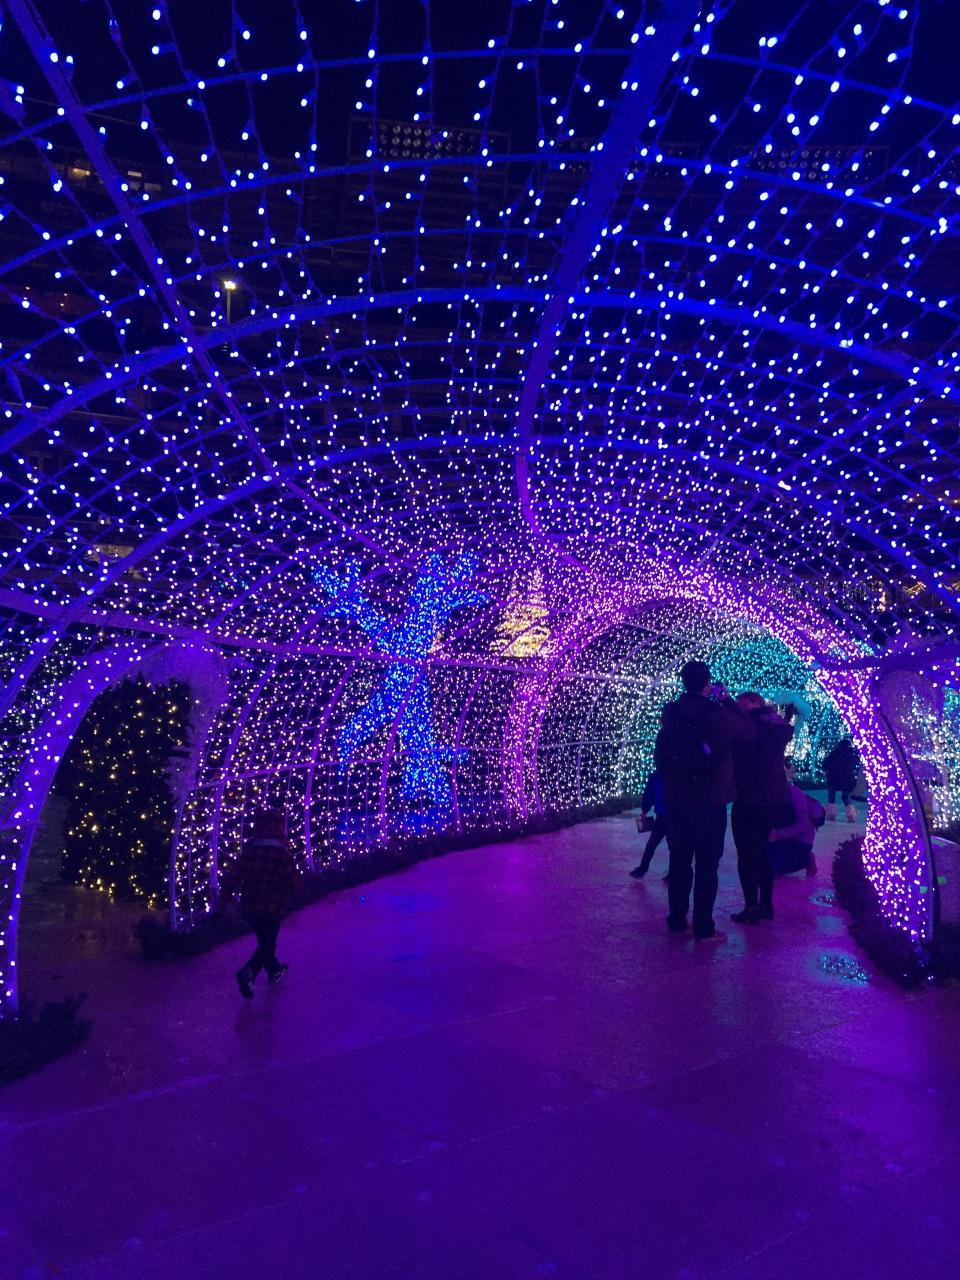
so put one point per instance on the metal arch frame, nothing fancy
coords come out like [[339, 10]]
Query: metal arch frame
[[130, 370], [39, 42], [758, 479], [883, 545], [817, 445], [615, 148], [212, 505], [264, 181], [41, 45], [763, 481], [341, 354], [77, 111], [440, 55], [754, 477], [275, 255]]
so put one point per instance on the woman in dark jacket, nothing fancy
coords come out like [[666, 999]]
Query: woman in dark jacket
[[840, 770], [763, 800]]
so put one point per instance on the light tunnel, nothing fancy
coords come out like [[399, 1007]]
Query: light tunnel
[[422, 393]]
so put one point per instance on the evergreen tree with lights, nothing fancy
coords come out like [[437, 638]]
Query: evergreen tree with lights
[[119, 826], [523, 631]]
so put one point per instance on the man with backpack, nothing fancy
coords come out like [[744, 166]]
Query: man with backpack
[[693, 757]]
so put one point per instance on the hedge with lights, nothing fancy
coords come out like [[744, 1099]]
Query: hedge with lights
[[891, 951], [31, 1039]]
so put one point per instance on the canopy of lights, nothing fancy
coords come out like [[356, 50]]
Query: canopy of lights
[[423, 382]]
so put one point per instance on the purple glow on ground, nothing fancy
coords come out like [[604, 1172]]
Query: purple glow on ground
[[492, 1064]]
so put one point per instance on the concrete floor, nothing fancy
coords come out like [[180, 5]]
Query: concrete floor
[[493, 1065]]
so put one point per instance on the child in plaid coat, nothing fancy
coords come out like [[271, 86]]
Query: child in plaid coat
[[266, 878]]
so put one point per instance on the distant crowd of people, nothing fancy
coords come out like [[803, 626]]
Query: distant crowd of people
[[712, 751]]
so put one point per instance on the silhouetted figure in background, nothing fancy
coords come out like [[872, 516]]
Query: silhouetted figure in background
[[267, 880], [652, 799], [763, 800], [692, 756], [840, 771]]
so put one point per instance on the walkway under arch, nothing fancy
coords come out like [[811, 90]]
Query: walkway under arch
[[497, 1063]]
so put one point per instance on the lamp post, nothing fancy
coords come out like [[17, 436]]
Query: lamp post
[[229, 288]]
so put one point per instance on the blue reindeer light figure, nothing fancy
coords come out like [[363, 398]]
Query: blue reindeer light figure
[[404, 692]]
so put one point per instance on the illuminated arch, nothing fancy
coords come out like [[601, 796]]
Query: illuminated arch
[[897, 848], [28, 792], [626, 309]]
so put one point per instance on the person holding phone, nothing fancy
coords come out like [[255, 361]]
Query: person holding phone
[[762, 803]]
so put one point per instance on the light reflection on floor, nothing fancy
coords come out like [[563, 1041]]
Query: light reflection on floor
[[495, 1064]]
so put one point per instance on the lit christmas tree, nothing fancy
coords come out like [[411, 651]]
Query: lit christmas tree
[[120, 821], [524, 631]]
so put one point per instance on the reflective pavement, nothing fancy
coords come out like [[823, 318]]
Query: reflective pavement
[[495, 1064]]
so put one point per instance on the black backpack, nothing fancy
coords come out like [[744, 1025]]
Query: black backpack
[[681, 753]]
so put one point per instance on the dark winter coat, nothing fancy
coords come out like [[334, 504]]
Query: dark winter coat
[[265, 875], [758, 764], [840, 767], [721, 724]]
